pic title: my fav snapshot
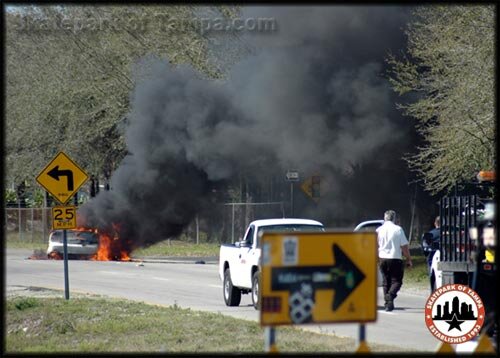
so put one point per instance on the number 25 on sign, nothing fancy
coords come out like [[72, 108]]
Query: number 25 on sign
[[63, 217]]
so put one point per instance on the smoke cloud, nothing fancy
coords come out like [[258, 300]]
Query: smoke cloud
[[312, 96]]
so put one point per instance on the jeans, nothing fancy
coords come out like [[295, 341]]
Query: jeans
[[392, 275]]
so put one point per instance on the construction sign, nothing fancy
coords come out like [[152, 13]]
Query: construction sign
[[320, 277]]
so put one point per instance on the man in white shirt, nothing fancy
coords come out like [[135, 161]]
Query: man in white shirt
[[392, 245]]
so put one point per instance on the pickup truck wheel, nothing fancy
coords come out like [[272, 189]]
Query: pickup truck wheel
[[255, 289], [232, 295]]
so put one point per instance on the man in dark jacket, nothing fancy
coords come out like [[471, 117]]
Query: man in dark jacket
[[430, 244]]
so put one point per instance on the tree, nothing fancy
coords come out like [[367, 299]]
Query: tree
[[70, 71], [448, 76]]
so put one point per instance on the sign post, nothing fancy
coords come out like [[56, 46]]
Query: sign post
[[292, 176], [62, 178], [320, 277], [270, 339], [66, 271]]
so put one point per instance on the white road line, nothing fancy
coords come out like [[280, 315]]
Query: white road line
[[216, 286], [161, 278], [122, 274]]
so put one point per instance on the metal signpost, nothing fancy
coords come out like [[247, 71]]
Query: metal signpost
[[62, 178], [292, 176], [320, 277]]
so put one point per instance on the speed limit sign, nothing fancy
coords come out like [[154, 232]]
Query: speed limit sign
[[63, 217]]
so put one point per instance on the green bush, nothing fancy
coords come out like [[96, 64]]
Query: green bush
[[10, 197], [36, 199], [25, 303]]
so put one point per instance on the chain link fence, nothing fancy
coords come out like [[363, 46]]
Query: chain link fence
[[28, 224], [239, 215], [225, 224]]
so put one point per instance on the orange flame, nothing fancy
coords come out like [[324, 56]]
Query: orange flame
[[55, 256], [110, 248], [85, 229]]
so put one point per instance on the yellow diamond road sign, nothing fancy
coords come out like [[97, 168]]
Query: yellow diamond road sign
[[62, 178], [311, 187], [322, 277]]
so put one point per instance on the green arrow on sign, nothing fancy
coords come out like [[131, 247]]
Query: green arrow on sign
[[343, 277]]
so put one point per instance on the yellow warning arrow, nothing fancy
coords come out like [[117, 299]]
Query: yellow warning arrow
[[62, 177]]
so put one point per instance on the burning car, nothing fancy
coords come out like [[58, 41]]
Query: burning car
[[80, 243]]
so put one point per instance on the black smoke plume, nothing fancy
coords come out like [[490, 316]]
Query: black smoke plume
[[312, 96]]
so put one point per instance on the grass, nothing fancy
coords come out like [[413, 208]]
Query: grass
[[417, 277], [163, 248], [179, 248], [96, 324], [27, 241]]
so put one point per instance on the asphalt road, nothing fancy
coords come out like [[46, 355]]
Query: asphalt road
[[198, 287]]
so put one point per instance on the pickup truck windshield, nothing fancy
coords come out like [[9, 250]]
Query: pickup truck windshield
[[292, 227]]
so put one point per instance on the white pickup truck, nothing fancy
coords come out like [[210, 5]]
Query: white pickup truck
[[239, 262]]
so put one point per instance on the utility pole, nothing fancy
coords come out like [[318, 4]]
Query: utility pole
[[197, 231]]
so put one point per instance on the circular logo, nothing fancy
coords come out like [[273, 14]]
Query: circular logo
[[454, 313]]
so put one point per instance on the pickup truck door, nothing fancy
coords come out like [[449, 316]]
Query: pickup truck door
[[244, 267]]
